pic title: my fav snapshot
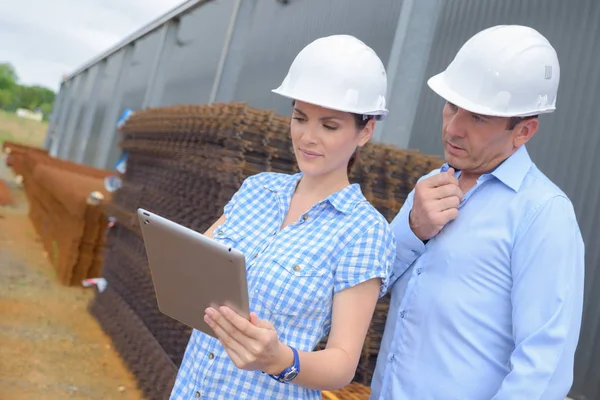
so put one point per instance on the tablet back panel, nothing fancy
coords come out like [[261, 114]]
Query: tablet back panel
[[191, 271]]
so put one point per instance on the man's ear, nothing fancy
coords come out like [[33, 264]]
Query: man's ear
[[524, 131]]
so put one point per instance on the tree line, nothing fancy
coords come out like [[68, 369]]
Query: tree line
[[14, 95]]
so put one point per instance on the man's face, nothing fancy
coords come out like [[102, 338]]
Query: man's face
[[477, 143]]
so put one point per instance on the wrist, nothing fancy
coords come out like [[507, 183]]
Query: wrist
[[411, 225], [283, 360]]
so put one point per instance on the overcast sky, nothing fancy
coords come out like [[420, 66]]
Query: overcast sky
[[45, 39]]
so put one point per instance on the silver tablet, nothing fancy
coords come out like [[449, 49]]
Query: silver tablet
[[191, 272]]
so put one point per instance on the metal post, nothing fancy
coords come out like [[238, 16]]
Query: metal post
[[166, 44], [231, 61], [406, 68], [97, 74], [108, 132]]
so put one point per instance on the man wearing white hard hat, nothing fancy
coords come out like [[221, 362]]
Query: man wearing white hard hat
[[488, 291]]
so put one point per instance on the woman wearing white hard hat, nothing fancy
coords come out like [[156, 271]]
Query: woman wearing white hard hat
[[318, 253]]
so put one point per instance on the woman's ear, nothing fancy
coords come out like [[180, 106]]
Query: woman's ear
[[366, 133]]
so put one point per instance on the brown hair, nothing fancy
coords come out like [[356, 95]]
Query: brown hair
[[513, 121], [361, 121]]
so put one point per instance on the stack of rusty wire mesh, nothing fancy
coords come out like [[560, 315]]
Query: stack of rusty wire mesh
[[15, 154], [66, 209], [5, 194], [184, 163]]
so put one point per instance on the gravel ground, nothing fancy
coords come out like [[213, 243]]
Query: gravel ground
[[50, 346]]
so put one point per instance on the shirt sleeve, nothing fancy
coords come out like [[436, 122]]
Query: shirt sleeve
[[547, 296], [408, 246], [239, 195], [371, 255]]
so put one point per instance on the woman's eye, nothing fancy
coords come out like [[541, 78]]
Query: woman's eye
[[299, 119], [477, 118], [330, 128]]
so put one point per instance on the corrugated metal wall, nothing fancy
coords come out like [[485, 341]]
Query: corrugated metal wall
[[279, 32], [223, 50], [568, 141]]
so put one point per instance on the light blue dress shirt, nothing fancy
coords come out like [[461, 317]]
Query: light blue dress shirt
[[490, 308]]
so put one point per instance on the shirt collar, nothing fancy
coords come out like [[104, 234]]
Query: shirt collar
[[343, 200], [511, 171]]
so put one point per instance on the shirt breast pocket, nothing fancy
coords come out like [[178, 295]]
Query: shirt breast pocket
[[291, 285]]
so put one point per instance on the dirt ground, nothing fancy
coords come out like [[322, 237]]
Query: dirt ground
[[50, 346]]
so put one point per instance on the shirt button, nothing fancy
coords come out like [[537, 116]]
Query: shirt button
[[402, 314], [419, 271], [305, 217], [198, 395], [219, 232], [392, 358], [297, 268], [211, 356]]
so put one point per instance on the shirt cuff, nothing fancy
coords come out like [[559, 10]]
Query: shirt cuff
[[408, 246]]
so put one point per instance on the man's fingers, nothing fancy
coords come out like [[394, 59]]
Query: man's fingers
[[448, 215], [449, 190], [440, 180], [448, 203]]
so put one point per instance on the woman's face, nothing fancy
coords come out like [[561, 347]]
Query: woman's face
[[325, 139]]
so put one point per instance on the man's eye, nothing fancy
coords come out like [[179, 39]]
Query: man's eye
[[299, 119]]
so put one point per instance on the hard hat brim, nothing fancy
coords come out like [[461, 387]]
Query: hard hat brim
[[437, 83], [379, 114]]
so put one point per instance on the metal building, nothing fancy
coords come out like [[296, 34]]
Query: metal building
[[226, 50]]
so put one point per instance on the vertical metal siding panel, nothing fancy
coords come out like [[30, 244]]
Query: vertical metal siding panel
[[136, 80], [86, 100], [567, 142], [104, 97], [60, 130], [280, 31], [74, 114], [191, 71], [59, 102]]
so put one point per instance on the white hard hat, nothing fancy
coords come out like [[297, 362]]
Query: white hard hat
[[506, 71], [338, 72]]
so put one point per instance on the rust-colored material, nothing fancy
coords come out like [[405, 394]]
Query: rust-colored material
[[51, 348], [71, 229], [5, 195], [354, 391]]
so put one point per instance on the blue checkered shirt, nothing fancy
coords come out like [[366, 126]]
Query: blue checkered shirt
[[292, 276]]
